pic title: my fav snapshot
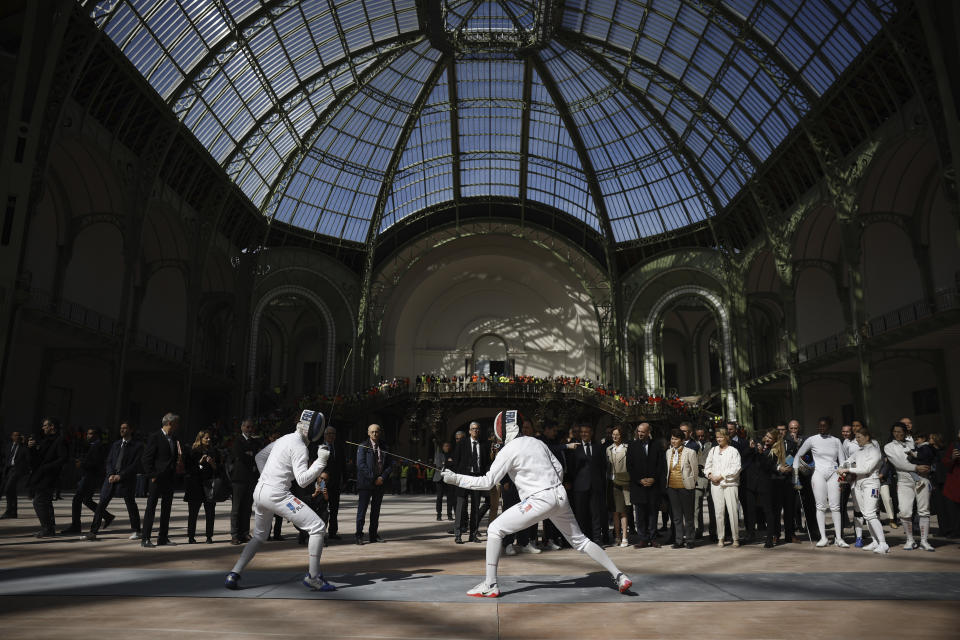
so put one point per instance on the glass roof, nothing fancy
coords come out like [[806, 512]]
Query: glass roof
[[344, 117]]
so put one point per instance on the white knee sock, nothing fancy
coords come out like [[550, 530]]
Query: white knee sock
[[249, 550], [924, 527], [315, 548], [907, 527], [822, 523], [494, 547], [600, 557], [858, 526], [837, 523], [876, 530]]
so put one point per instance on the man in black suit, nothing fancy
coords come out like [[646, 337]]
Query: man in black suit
[[162, 460], [472, 458], [243, 478], [47, 457], [585, 473], [646, 464], [121, 468], [90, 467], [332, 480], [16, 465], [373, 468]]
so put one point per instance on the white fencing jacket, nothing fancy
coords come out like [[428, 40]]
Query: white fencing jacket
[[530, 464], [288, 461]]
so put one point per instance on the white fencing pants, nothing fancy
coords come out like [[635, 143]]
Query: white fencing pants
[[826, 492], [909, 490], [270, 501], [726, 498], [552, 504]]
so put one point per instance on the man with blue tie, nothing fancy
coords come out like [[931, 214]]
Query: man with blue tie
[[122, 465], [373, 468]]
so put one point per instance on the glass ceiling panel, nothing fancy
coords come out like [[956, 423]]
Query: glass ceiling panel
[[334, 189], [253, 78], [424, 175]]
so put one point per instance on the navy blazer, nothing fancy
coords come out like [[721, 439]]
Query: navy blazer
[[367, 466], [587, 473], [132, 456]]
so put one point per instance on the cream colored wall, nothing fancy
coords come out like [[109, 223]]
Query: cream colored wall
[[494, 284]]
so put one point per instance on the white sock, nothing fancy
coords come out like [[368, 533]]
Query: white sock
[[249, 550], [494, 548], [315, 548], [837, 524], [924, 527], [858, 527], [822, 523], [600, 557], [876, 530]]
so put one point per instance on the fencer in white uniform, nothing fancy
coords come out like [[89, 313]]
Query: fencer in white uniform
[[538, 477], [910, 487], [828, 454], [288, 461], [862, 468]]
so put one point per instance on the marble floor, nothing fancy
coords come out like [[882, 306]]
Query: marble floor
[[413, 586]]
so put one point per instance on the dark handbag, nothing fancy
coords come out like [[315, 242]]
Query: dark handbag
[[216, 489]]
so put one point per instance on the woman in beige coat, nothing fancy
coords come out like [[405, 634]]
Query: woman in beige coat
[[618, 486], [680, 482]]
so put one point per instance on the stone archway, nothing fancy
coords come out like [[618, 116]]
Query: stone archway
[[313, 298], [651, 373]]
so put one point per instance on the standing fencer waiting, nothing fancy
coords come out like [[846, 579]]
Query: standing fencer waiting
[[863, 466], [288, 461], [538, 477], [828, 454]]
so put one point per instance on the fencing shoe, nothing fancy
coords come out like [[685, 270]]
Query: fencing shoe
[[882, 548], [870, 547], [484, 590], [823, 542], [552, 546], [509, 550], [528, 548], [317, 583], [926, 546], [233, 581], [623, 582], [840, 542], [859, 543], [909, 545]]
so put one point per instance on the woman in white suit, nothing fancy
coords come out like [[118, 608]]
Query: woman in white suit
[[680, 482], [723, 471]]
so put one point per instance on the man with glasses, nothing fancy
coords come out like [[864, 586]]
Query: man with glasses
[[646, 464], [373, 468]]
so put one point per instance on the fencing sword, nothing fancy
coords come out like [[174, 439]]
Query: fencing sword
[[336, 393], [397, 455], [803, 512]]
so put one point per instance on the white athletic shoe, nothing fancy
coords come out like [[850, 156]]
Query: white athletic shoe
[[926, 546], [551, 546], [624, 543], [484, 590], [509, 550], [823, 542], [840, 543], [317, 583], [134, 536], [909, 545], [870, 547], [882, 548], [623, 582], [528, 548]]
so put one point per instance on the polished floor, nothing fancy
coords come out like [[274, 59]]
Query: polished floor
[[413, 587]]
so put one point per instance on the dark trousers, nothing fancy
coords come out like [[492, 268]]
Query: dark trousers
[[590, 513], [550, 532], [845, 490], [332, 505], [782, 501], [83, 497], [749, 500], [107, 492], [463, 496], [371, 497], [681, 512], [193, 510], [159, 491], [645, 516], [277, 525], [43, 505], [445, 490], [808, 504], [240, 508], [10, 484]]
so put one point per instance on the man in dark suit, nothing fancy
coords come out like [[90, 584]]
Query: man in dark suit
[[47, 457], [243, 478], [471, 458], [373, 468], [585, 473], [162, 460], [646, 464], [90, 467], [16, 465], [121, 468], [332, 479]]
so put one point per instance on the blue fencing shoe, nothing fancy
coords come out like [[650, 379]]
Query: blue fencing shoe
[[232, 581]]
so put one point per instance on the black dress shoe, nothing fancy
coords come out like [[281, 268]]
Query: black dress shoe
[[359, 539], [689, 544], [458, 539], [377, 538], [44, 533], [236, 541], [192, 541], [439, 518], [209, 539], [449, 517], [768, 544], [334, 536], [676, 545], [166, 542], [147, 544]]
